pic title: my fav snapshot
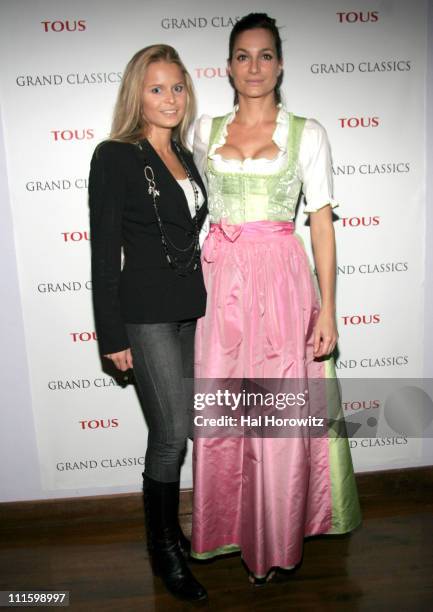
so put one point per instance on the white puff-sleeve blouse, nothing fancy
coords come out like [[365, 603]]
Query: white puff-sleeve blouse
[[314, 167]]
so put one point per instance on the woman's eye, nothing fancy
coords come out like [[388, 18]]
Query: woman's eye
[[156, 90], [268, 57], [241, 57], [178, 88]]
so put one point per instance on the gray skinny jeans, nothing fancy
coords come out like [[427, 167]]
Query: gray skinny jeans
[[163, 358]]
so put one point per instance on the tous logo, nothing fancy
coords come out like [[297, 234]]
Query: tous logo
[[99, 424], [361, 405], [360, 221], [358, 17], [354, 122], [64, 26], [361, 319], [75, 236], [84, 134], [83, 336], [211, 73]]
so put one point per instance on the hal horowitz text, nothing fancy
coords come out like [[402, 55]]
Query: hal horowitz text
[[258, 421]]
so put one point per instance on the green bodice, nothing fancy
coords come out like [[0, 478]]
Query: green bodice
[[241, 196]]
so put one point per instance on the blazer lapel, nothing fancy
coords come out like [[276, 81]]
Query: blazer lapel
[[167, 185], [188, 159], [196, 176]]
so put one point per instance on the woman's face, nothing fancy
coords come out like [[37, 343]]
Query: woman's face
[[164, 95], [254, 67]]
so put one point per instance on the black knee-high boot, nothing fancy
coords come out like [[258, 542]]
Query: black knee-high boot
[[168, 562], [184, 543]]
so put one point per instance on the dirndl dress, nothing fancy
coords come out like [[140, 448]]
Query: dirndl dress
[[262, 495]]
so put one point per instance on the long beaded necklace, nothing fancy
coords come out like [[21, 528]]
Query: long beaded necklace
[[181, 268]]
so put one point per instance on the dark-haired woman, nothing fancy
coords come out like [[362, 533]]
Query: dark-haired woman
[[147, 198], [264, 321]]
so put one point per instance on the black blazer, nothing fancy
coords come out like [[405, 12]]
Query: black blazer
[[146, 289]]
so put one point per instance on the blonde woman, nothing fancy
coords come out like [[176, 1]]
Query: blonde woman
[[147, 198]]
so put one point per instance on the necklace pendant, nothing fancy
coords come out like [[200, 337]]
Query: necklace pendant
[[174, 261]]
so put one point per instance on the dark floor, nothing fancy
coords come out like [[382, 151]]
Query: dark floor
[[385, 565]]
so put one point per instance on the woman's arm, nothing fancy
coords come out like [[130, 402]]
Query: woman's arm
[[106, 201], [323, 243], [316, 174]]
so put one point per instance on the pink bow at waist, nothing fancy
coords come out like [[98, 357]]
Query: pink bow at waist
[[251, 230]]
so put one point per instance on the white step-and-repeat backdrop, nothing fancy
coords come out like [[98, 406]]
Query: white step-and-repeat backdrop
[[359, 68]]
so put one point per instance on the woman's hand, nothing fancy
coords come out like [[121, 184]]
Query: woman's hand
[[325, 334], [122, 360], [323, 241]]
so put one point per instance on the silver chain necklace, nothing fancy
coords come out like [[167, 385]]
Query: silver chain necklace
[[182, 268]]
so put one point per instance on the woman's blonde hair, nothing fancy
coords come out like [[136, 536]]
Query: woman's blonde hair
[[128, 123]]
